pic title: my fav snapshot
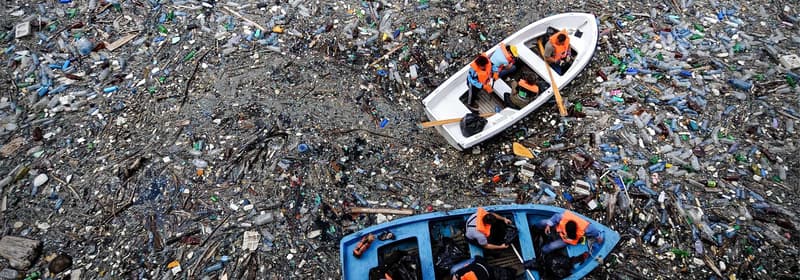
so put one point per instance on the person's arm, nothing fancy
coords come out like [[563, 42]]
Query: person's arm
[[495, 247], [507, 221], [488, 87], [593, 232], [548, 53], [496, 68], [554, 220]]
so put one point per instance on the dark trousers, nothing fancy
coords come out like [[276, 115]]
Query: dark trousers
[[472, 98], [560, 68], [508, 71]]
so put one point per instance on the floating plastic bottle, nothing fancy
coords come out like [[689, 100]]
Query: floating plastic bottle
[[84, 46], [741, 84]]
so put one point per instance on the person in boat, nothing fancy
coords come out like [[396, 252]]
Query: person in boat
[[478, 269], [479, 78], [570, 229], [557, 51], [522, 92], [487, 229], [475, 270], [503, 61]]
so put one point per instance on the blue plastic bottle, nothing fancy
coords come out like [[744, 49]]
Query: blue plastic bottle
[[85, 46], [741, 84]]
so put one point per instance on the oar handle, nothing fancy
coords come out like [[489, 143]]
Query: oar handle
[[561, 109], [446, 121]]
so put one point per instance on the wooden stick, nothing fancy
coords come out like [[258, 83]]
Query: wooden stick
[[386, 55], [446, 121], [561, 109], [121, 41], [245, 19], [521, 261], [362, 210]]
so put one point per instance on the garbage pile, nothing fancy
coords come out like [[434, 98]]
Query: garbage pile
[[242, 139]]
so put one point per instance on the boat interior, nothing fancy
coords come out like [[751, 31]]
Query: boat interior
[[488, 103], [451, 231]]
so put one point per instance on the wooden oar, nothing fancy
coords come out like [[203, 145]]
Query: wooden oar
[[561, 109], [446, 121]]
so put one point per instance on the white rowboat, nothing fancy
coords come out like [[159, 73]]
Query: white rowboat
[[445, 102]]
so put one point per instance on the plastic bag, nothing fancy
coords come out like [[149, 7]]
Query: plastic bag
[[471, 124], [399, 265], [511, 234], [449, 254], [553, 265]]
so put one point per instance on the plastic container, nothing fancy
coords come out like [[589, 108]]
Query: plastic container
[[741, 84], [413, 71], [84, 46], [302, 147], [263, 219]]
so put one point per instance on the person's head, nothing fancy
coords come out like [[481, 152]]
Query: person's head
[[512, 50], [572, 230], [561, 38], [489, 219], [482, 61], [530, 78]]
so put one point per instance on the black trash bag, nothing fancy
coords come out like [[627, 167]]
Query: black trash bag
[[471, 124], [558, 265], [554, 265], [511, 234], [448, 255], [399, 266], [504, 273], [407, 269]]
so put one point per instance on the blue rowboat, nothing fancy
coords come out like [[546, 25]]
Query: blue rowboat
[[419, 237]]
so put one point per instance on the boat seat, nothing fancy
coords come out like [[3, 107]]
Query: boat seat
[[460, 265], [500, 88], [475, 250], [576, 250]]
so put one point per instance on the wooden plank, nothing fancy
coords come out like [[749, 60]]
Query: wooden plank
[[360, 210], [446, 121], [19, 251], [121, 41], [488, 102]]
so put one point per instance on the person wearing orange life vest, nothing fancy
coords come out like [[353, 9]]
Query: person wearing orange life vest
[[503, 61], [476, 270], [522, 92], [487, 229], [557, 51], [479, 78], [570, 228]]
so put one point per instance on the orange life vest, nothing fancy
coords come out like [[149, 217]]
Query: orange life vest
[[509, 57], [580, 229], [531, 87], [560, 51], [469, 276], [484, 76], [486, 229]]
